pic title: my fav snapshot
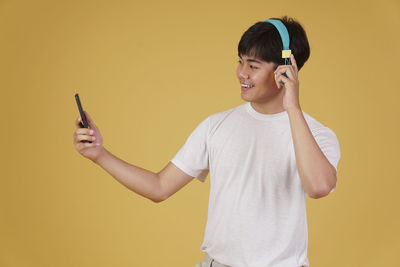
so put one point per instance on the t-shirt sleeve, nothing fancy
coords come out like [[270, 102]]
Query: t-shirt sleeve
[[192, 158], [329, 145]]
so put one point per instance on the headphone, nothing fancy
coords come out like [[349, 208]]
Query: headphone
[[286, 52]]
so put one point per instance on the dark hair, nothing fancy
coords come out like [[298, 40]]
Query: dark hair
[[263, 41]]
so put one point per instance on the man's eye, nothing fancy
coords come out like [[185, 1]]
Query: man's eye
[[251, 66]]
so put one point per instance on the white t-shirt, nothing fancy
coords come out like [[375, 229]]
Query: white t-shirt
[[257, 206]]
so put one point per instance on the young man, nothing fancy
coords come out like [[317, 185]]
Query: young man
[[264, 158]]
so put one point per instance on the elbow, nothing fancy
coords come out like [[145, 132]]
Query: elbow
[[156, 200], [318, 194], [323, 189], [159, 198], [159, 194]]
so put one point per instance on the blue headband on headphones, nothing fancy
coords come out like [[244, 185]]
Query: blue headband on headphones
[[286, 52]]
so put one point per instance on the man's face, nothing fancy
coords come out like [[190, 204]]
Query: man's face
[[256, 78]]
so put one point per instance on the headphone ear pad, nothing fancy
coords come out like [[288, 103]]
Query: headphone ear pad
[[282, 83]]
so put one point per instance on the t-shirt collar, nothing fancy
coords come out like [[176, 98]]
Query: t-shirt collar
[[262, 116]]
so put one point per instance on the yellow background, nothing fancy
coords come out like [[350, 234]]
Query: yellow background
[[149, 72]]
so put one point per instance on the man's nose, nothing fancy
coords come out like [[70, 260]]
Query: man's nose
[[243, 74]]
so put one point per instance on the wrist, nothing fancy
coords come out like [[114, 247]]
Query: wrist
[[101, 157], [294, 109]]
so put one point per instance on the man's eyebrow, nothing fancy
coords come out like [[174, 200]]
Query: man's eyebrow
[[252, 60]]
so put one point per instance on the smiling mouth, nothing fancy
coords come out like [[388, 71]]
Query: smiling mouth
[[246, 87]]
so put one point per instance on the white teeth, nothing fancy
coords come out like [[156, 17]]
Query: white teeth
[[246, 85]]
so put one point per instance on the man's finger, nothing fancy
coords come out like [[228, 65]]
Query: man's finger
[[83, 131], [283, 79], [285, 69], [78, 122], [293, 62]]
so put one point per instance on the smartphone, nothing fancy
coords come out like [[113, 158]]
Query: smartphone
[[84, 124]]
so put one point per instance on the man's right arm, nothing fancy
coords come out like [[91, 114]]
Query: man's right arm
[[154, 186]]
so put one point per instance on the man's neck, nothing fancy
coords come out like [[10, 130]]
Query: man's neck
[[272, 106]]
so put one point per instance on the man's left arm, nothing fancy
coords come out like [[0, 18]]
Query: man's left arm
[[317, 174]]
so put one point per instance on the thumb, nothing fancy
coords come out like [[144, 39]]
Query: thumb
[[90, 120]]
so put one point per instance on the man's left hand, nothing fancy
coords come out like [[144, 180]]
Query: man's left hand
[[291, 87]]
